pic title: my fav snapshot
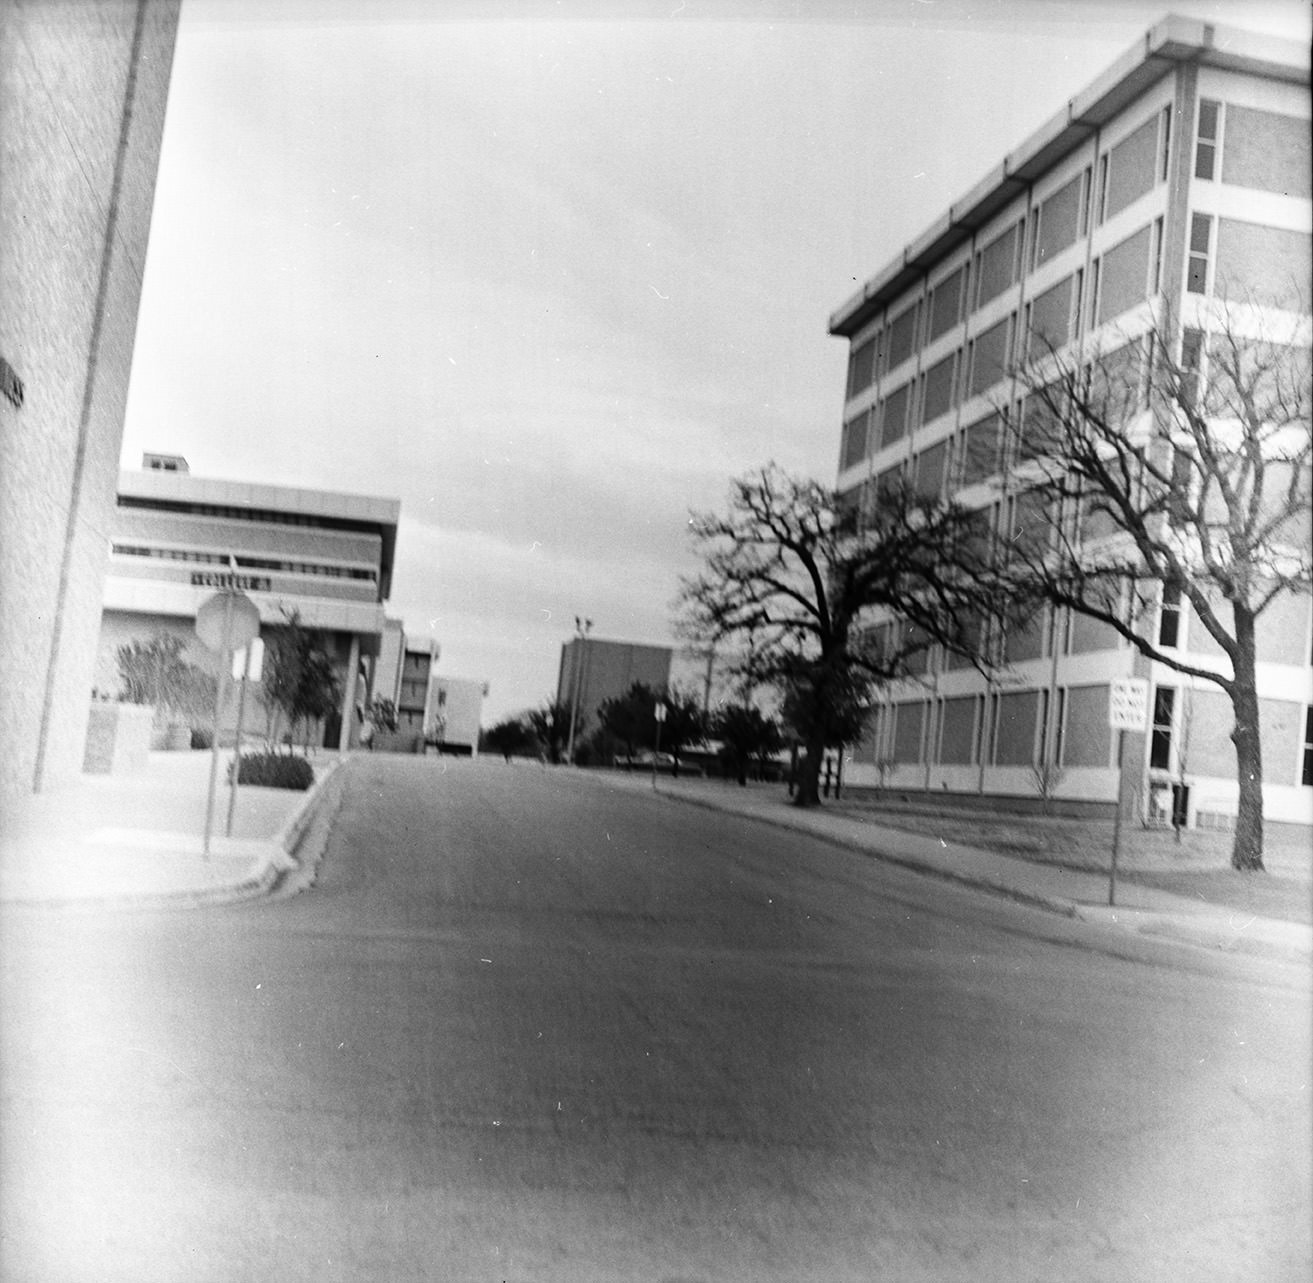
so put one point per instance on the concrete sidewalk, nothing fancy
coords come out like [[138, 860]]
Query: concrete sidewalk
[[1071, 892], [137, 839]]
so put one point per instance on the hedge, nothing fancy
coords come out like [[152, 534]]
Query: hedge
[[276, 771]]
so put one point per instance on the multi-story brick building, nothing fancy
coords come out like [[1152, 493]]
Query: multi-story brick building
[[1180, 177]]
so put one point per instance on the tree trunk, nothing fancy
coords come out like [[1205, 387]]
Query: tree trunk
[[809, 779], [1247, 850]]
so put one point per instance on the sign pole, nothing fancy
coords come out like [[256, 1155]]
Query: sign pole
[[1117, 821], [224, 651], [659, 712], [1128, 710], [237, 738]]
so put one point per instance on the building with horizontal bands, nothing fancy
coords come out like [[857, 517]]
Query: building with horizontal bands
[[1181, 176], [175, 539]]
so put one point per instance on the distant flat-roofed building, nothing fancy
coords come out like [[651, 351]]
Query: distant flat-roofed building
[[457, 706], [326, 557], [593, 670]]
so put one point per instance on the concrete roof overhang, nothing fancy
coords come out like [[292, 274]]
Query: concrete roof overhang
[[1173, 41]]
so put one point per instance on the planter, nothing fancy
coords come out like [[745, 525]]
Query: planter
[[172, 737]]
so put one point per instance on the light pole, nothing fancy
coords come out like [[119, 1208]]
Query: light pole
[[582, 628]]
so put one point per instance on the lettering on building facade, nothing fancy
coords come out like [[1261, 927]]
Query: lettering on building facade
[[225, 579]]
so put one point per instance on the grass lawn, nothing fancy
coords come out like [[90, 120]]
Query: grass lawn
[[1198, 867]]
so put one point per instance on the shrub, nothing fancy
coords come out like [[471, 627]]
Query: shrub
[[202, 737], [276, 771]]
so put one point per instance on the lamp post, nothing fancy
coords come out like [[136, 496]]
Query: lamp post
[[582, 628]]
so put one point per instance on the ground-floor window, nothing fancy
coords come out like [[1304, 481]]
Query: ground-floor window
[[1306, 776], [1160, 738]]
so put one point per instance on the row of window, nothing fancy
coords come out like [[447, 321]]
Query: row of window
[[1048, 632], [318, 569], [1129, 273], [991, 446], [266, 516], [1126, 172], [1264, 150], [1013, 728]]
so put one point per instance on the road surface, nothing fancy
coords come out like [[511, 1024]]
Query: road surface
[[531, 1027]]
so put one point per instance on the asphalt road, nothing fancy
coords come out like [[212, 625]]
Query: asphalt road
[[529, 1027]]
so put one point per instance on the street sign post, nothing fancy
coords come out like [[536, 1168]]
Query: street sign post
[[226, 621], [659, 712], [250, 656], [1128, 710]]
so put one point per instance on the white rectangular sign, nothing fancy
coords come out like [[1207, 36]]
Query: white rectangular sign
[[1128, 704]]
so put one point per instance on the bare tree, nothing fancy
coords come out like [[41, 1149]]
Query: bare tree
[[1172, 468], [792, 573]]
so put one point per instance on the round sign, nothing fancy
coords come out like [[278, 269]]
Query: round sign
[[213, 620]]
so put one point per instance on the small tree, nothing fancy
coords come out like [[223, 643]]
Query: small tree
[[1047, 776], [383, 713], [154, 672], [631, 718], [299, 679], [551, 725], [1172, 468], [685, 724], [747, 734], [510, 737]]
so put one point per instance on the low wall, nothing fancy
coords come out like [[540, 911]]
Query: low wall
[[398, 742], [118, 738]]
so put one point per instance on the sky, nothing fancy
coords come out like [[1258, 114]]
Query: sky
[[552, 274]]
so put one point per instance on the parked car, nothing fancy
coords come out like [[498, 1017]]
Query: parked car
[[642, 761]]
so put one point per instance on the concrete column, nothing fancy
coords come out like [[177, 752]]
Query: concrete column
[[349, 695]]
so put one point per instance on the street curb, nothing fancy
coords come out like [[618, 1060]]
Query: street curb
[[306, 836], [279, 860], [1054, 904], [1148, 923], [1206, 933]]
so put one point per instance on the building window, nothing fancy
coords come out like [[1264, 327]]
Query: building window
[[937, 387], [861, 368], [902, 336], [1049, 319], [894, 423], [996, 265], [1160, 737], [990, 354], [1169, 616], [1201, 233], [929, 470], [1306, 776], [946, 304], [1130, 168], [852, 449], [1165, 145], [1205, 152], [978, 458]]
